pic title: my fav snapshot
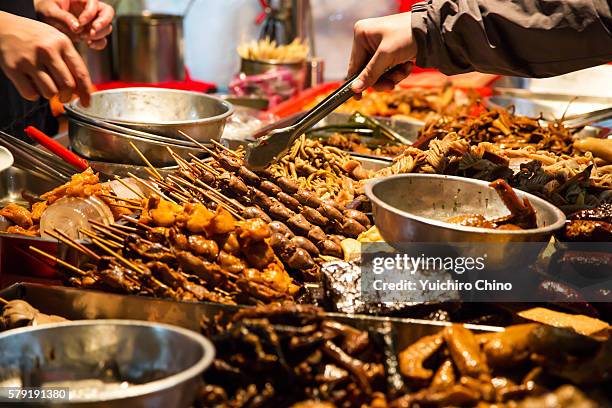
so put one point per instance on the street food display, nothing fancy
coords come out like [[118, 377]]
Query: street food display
[[274, 251], [412, 103]]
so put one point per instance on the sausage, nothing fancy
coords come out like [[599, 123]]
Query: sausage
[[206, 176], [229, 163], [288, 201], [334, 204], [306, 197], [255, 212], [300, 259], [329, 247], [315, 217], [330, 212], [306, 244], [260, 199], [351, 228], [358, 216], [299, 224], [237, 186], [280, 228], [278, 242], [248, 176], [278, 211], [269, 188], [287, 185], [316, 234]]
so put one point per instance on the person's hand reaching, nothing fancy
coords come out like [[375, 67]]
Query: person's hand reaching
[[41, 61], [86, 20], [383, 51]]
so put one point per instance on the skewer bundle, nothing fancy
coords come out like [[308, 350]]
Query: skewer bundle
[[303, 227]]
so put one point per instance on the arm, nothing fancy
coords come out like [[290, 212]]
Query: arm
[[535, 38]]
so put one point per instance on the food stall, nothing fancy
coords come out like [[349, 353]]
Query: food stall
[[282, 244]]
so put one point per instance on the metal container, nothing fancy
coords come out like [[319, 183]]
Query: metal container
[[98, 62], [107, 363], [411, 208], [105, 145], [258, 67], [74, 303], [163, 112], [150, 48]]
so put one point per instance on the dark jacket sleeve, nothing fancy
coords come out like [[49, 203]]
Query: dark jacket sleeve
[[533, 38]]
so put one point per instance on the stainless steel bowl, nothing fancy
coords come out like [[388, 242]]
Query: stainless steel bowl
[[411, 208], [96, 143], [161, 364], [160, 111]]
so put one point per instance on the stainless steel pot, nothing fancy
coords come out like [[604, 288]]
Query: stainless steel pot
[[107, 363], [150, 48], [163, 112]]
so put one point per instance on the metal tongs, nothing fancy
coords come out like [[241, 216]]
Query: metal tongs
[[577, 122], [275, 144]]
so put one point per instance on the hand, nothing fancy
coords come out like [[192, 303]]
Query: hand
[[86, 20], [383, 49], [40, 60]]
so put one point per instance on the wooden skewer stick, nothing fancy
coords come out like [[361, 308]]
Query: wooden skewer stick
[[59, 261], [230, 151], [122, 227], [200, 145], [135, 221], [205, 166], [151, 186], [209, 196], [125, 261], [93, 236], [109, 228], [179, 198], [221, 195], [144, 159], [126, 200], [132, 189], [3, 301], [61, 236], [106, 232], [128, 206]]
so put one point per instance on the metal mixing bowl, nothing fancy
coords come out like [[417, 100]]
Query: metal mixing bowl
[[160, 111], [411, 208], [107, 363], [96, 143]]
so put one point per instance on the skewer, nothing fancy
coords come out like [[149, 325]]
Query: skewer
[[209, 196], [205, 166], [179, 198], [59, 261], [150, 186], [132, 189], [144, 159], [109, 228], [3, 301], [127, 200], [93, 236], [128, 206], [178, 159], [61, 236], [221, 195], [135, 221], [122, 227], [230, 151], [125, 261], [97, 228], [200, 145]]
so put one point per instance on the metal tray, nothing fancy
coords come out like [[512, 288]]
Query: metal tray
[[77, 304]]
